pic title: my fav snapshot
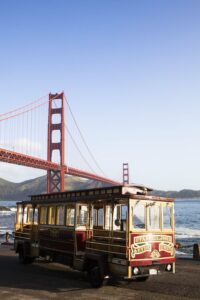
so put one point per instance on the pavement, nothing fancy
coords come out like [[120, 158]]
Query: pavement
[[42, 280]]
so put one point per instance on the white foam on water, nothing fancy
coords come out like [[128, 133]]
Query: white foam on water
[[7, 212], [180, 253], [184, 233], [14, 209]]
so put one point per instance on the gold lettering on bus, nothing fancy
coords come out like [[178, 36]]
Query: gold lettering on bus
[[167, 247], [139, 249], [152, 238]]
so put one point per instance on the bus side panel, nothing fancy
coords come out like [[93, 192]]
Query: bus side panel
[[56, 239], [147, 248]]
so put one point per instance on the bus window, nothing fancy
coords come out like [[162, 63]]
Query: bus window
[[98, 216], [30, 215], [51, 215], [60, 215], [108, 217], [82, 215], [154, 216], [35, 221], [25, 215], [124, 214], [94, 216], [167, 212], [124, 211], [43, 215], [70, 216], [119, 217], [116, 217], [19, 215], [138, 215]]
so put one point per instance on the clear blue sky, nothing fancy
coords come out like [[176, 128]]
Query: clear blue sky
[[131, 71]]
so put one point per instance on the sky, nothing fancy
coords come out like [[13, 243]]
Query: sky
[[130, 71]]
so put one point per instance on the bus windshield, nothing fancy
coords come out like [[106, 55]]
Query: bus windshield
[[149, 215]]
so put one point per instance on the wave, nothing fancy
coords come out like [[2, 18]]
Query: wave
[[184, 233], [6, 213], [178, 253], [183, 254], [14, 209]]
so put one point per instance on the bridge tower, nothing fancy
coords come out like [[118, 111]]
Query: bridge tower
[[56, 142], [125, 173]]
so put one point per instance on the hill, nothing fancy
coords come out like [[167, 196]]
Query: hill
[[20, 191], [183, 194]]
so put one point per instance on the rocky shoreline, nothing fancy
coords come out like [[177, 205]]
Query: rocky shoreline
[[4, 208]]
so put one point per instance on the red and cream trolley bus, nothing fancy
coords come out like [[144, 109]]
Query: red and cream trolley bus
[[116, 231]]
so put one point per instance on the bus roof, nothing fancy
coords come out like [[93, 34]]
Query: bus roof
[[133, 191]]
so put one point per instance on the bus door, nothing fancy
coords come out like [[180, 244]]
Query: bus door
[[82, 228]]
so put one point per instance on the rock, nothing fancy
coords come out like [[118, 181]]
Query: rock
[[4, 208]]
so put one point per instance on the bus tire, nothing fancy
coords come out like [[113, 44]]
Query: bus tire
[[23, 259], [95, 278]]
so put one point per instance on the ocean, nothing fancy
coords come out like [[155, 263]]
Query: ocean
[[187, 215]]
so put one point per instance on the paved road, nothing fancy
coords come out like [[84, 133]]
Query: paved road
[[52, 281]]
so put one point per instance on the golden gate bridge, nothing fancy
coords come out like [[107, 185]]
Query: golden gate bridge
[[22, 140]]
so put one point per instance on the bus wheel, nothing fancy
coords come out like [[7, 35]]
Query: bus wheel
[[23, 259], [95, 277], [144, 278]]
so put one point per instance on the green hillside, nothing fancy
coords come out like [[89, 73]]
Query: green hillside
[[20, 191], [183, 194]]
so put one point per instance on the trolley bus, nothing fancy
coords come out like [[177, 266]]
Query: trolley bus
[[120, 231]]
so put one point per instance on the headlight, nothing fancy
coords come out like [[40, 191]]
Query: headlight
[[136, 271], [168, 267]]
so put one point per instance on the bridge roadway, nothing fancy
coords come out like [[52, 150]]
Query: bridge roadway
[[38, 163], [52, 281]]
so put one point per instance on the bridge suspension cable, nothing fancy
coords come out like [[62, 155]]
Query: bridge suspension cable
[[3, 118], [76, 145], [20, 129], [23, 109], [79, 151], [83, 139]]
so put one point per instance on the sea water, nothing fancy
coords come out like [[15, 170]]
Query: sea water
[[187, 216], [7, 218], [187, 229]]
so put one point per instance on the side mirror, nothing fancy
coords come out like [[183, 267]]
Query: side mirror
[[117, 222]]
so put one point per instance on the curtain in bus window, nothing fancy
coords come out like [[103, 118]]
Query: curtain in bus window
[[51, 216], [19, 215], [82, 215], [25, 216], [167, 224], [154, 216], [108, 217], [70, 216], [30, 215], [139, 215], [43, 215], [60, 215], [35, 221]]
